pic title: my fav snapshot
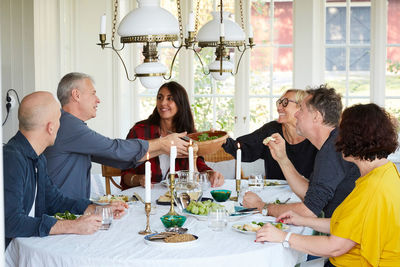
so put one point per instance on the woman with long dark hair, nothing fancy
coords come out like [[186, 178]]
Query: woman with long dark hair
[[171, 114]]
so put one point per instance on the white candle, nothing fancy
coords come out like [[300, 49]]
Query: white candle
[[221, 30], [191, 165], [191, 24], [251, 34], [147, 177], [172, 157], [103, 24], [238, 162]]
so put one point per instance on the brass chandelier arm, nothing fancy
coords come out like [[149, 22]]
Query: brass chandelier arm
[[172, 64], [201, 62], [123, 63], [238, 64]]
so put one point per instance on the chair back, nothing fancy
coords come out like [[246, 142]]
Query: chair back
[[219, 155], [108, 172]]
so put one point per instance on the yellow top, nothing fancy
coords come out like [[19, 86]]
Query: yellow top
[[370, 216]]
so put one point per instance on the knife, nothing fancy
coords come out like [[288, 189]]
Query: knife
[[246, 210]]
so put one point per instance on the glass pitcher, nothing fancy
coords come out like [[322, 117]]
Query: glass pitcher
[[187, 189]]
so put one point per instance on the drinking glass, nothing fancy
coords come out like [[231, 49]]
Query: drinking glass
[[218, 219], [204, 181], [107, 215], [256, 182], [187, 189]]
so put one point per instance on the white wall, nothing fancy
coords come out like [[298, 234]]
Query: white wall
[[17, 62]]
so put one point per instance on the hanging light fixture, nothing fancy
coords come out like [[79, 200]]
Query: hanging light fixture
[[150, 24]]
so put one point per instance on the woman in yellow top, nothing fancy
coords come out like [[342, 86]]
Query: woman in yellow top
[[365, 228]]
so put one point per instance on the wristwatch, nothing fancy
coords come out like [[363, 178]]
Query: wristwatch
[[264, 210], [285, 242]]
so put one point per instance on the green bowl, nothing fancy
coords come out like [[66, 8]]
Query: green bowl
[[221, 195], [173, 220]]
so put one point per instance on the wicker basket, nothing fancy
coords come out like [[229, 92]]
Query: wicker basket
[[210, 146]]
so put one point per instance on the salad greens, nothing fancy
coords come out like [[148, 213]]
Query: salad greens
[[64, 216]]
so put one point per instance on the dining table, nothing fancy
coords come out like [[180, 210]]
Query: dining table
[[122, 245]]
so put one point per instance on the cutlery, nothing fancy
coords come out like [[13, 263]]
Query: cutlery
[[138, 197], [246, 210], [284, 202]]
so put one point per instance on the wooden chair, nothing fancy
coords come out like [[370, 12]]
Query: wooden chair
[[108, 172]]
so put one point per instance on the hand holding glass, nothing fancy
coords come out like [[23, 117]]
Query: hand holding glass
[[107, 215]]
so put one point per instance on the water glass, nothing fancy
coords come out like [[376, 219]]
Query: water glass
[[256, 182], [204, 181], [218, 219], [107, 215]]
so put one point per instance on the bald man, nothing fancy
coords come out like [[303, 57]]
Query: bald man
[[31, 199]]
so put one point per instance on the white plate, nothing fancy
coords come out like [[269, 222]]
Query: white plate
[[231, 218], [96, 201], [237, 227], [273, 182], [161, 242]]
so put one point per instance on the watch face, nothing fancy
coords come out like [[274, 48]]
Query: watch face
[[285, 244]]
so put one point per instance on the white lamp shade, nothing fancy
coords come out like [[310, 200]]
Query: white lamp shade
[[148, 19], [156, 68], [210, 33], [214, 68]]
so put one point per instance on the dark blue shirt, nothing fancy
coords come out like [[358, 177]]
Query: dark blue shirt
[[22, 167], [76, 146], [332, 180]]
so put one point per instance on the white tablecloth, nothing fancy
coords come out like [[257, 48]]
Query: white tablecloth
[[123, 246]]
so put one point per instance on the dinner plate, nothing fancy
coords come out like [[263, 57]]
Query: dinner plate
[[168, 203], [233, 217], [131, 200], [239, 227], [274, 182], [161, 243]]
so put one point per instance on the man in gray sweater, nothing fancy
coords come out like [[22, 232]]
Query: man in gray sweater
[[76, 145]]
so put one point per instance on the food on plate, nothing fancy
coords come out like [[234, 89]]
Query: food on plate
[[202, 207], [269, 183], [165, 198], [179, 238], [269, 138], [206, 137], [65, 216], [255, 226], [111, 198]]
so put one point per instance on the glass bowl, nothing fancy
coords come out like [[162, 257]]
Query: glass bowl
[[208, 146], [173, 220], [221, 195]]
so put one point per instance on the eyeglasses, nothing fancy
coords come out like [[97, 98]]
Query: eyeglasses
[[284, 101]]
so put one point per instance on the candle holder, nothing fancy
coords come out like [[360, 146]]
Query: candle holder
[[236, 198], [171, 190], [102, 38], [147, 209]]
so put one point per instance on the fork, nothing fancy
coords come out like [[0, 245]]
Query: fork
[[284, 202]]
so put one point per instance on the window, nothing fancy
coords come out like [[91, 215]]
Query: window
[[213, 100], [347, 49], [271, 63], [393, 59]]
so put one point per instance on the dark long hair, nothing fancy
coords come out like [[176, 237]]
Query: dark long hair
[[183, 119]]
